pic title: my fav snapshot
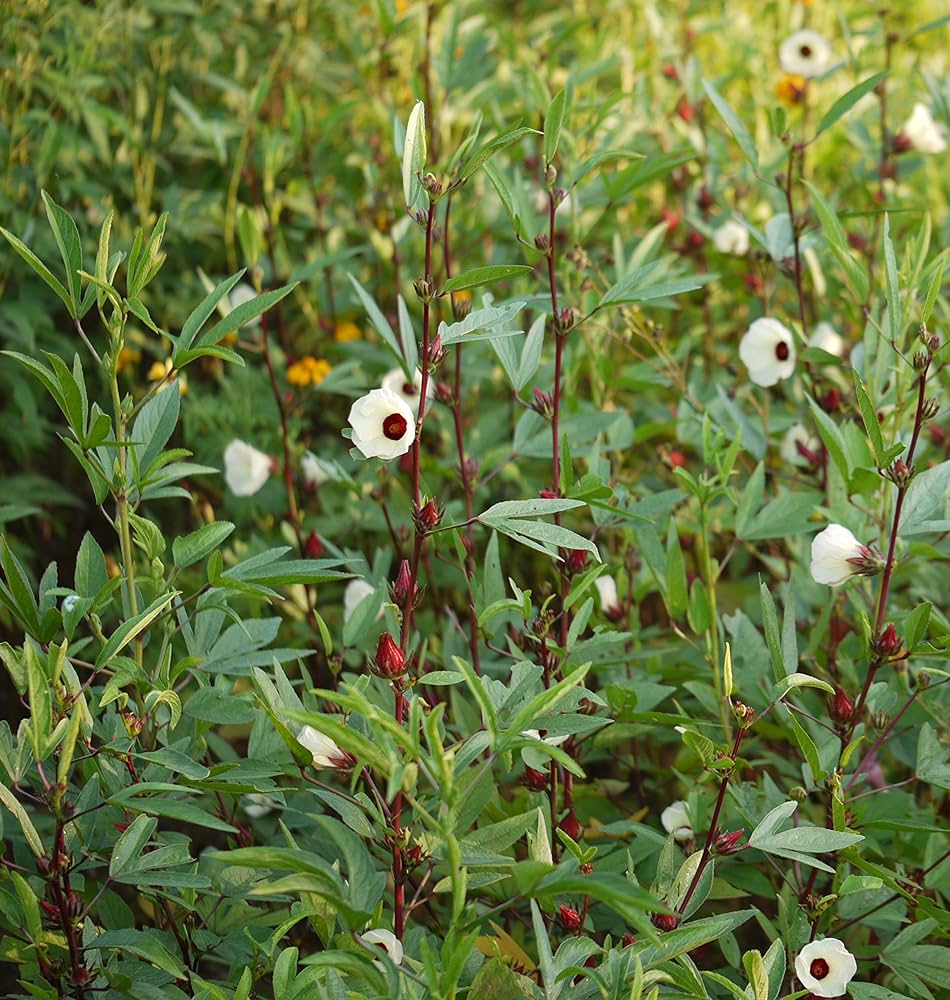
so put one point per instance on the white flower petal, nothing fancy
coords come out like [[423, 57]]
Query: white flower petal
[[245, 468], [353, 595], [675, 820], [386, 940], [768, 352], [395, 381], [324, 750], [368, 416], [797, 434], [831, 551], [825, 967], [825, 337], [607, 589], [923, 133], [732, 237], [806, 53]]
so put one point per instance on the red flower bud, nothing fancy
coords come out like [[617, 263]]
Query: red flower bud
[[704, 199], [888, 643], [52, 912], [443, 393], [536, 781], [670, 72], [754, 283], [831, 400], [665, 921], [685, 110], [576, 560], [429, 517], [547, 494], [390, 661], [671, 218], [902, 143], [628, 939], [842, 707], [570, 825], [587, 869], [677, 459], [728, 843], [403, 588], [313, 547], [695, 240], [838, 629], [570, 919]]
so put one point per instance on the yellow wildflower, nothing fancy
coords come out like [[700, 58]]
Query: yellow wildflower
[[160, 369], [402, 6], [791, 89], [308, 371], [128, 356], [347, 330]]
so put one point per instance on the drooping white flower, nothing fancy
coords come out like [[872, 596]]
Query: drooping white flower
[[607, 589], [353, 594], [552, 741], [246, 469], [825, 967], [395, 381], [324, 750], [732, 237], [675, 820], [797, 435], [836, 556], [381, 938], [384, 426], [805, 53], [69, 602], [922, 132], [315, 471], [768, 351], [827, 338], [257, 804]]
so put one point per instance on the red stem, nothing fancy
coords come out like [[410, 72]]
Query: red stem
[[713, 826]]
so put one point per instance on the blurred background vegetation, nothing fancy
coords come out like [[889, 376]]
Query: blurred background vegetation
[[278, 121]]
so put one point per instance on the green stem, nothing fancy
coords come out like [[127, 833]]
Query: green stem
[[712, 634], [125, 535]]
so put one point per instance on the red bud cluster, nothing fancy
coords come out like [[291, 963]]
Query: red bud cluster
[[570, 919]]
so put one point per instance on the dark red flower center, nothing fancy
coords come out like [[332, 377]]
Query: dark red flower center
[[394, 426], [781, 350], [819, 968], [805, 50]]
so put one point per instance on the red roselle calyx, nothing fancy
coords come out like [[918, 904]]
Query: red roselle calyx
[[728, 843], [888, 643], [842, 707], [402, 588], [536, 781], [570, 919], [313, 547], [665, 921], [576, 560], [570, 825], [548, 494], [436, 354], [428, 517], [543, 403], [831, 400], [390, 661]]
